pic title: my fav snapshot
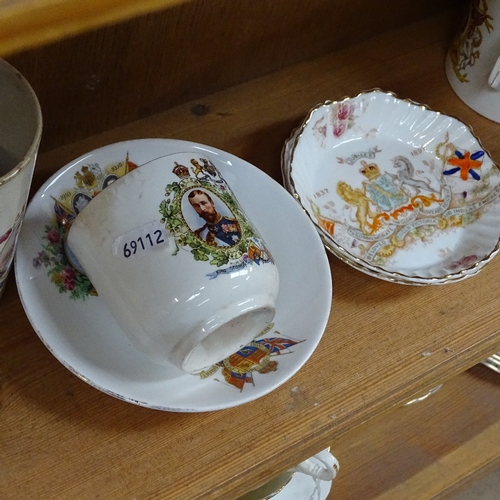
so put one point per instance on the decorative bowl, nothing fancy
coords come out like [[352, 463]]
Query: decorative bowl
[[395, 189]]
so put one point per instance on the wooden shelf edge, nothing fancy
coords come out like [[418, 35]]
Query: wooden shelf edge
[[28, 24], [426, 450]]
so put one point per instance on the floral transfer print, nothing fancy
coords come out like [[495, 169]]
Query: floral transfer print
[[4, 237], [64, 276], [465, 49], [7, 248], [464, 262], [342, 117], [62, 269]]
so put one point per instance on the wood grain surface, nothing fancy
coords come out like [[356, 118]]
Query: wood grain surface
[[31, 23], [61, 438], [431, 449]]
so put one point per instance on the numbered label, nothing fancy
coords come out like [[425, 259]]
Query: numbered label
[[141, 240]]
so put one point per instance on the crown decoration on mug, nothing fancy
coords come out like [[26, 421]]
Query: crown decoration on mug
[[226, 238], [180, 171]]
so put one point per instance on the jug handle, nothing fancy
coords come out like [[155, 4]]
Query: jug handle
[[326, 472]]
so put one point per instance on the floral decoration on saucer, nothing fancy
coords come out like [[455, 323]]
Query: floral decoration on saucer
[[54, 255], [397, 190]]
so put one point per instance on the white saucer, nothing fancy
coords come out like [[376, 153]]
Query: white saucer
[[82, 335]]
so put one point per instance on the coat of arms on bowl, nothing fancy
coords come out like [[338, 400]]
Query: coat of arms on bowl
[[397, 204], [202, 214], [256, 357], [62, 269]]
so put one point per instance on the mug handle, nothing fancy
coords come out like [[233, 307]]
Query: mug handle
[[326, 472], [494, 77]]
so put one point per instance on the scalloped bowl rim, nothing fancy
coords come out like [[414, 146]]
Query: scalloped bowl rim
[[323, 128]]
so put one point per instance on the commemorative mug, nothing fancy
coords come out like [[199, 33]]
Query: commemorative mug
[[322, 466], [180, 266], [473, 60], [20, 133]]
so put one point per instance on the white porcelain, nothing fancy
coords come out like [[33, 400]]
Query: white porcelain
[[472, 63], [310, 480], [380, 178], [20, 133], [172, 254], [493, 362], [79, 330], [424, 396], [305, 487], [323, 466]]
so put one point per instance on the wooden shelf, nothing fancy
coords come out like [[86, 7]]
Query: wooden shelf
[[31, 23], [62, 438], [426, 450]]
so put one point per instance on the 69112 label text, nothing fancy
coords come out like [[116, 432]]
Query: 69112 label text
[[130, 248], [140, 240]]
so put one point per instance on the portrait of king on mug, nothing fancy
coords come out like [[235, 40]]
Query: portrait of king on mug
[[219, 229]]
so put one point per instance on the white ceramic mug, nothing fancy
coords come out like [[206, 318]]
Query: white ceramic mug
[[171, 252], [323, 466], [20, 133], [473, 59]]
